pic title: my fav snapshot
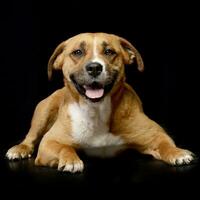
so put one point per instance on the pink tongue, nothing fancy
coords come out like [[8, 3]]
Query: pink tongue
[[94, 93]]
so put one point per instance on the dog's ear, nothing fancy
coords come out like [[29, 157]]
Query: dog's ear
[[130, 54], [56, 60]]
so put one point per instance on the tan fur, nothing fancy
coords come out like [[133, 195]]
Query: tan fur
[[51, 121]]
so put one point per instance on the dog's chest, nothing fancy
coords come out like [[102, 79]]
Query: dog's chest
[[90, 124]]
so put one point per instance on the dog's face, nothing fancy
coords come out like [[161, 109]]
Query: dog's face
[[93, 63]]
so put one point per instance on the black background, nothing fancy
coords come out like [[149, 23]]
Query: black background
[[166, 34]]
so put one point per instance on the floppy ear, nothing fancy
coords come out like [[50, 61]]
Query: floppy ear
[[56, 60], [130, 53]]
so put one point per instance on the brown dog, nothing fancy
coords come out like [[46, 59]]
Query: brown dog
[[96, 108]]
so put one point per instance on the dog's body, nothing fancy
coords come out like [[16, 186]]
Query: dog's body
[[96, 108]]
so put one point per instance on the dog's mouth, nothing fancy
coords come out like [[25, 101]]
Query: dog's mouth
[[94, 91]]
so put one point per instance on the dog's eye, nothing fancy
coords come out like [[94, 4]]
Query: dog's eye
[[109, 52], [77, 53]]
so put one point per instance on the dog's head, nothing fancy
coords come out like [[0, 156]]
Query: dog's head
[[93, 63]]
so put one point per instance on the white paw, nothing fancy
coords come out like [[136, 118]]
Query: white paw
[[185, 157], [20, 151], [73, 167]]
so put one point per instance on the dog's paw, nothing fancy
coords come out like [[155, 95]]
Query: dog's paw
[[180, 157], [20, 151], [72, 166]]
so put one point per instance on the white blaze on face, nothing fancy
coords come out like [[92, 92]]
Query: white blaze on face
[[96, 57], [98, 92], [95, 47]]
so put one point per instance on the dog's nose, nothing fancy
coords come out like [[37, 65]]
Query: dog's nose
[[94, 69]]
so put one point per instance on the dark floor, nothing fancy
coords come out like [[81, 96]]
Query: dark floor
[[125, 172]]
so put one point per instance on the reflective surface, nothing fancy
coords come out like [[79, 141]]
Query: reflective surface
[[123, 171]]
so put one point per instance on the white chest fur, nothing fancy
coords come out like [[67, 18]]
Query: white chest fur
[[90, 124]]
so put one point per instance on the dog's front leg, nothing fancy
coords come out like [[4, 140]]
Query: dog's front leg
[[43, 118], [57, 149], [54, 154], [149, 138]]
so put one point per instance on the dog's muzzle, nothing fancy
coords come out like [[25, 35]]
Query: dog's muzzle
[[92, 83]]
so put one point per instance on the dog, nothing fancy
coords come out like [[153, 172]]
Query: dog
[[96, 108]]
